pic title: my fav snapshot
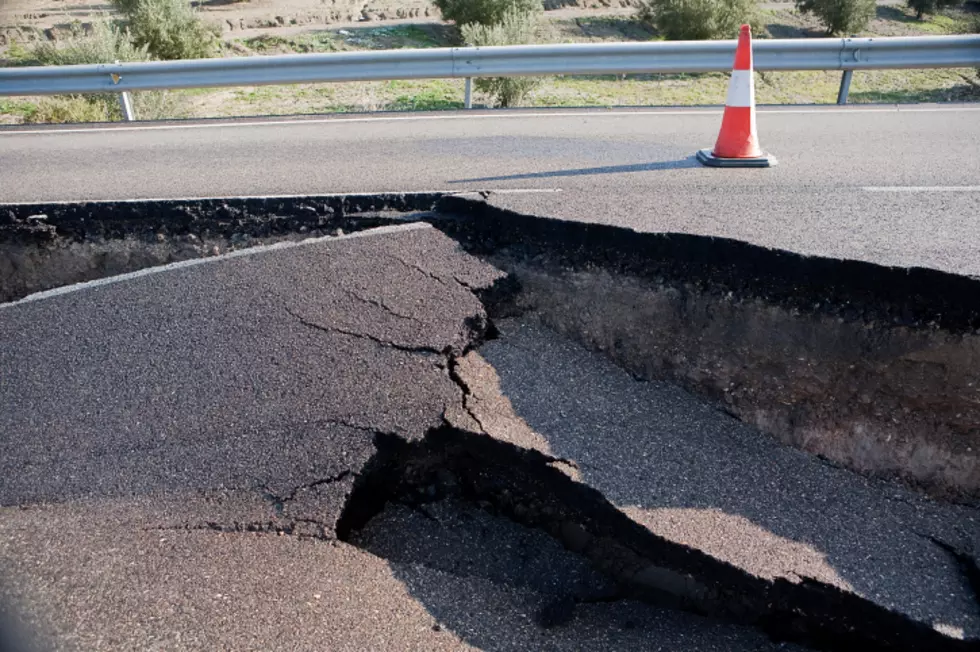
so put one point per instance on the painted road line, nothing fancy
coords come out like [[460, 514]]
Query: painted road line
[[194, 262]]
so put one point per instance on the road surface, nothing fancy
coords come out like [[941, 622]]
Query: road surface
[[893, 185], [165, 434]]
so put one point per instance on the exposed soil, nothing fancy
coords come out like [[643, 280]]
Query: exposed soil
[[875, 368], [47, 246]]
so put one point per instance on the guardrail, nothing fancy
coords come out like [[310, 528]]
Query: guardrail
[[846, 54]]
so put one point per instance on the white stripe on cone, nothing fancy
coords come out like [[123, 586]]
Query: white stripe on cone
[[741, 90]]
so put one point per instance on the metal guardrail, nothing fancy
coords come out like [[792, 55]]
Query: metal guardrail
[[846, 54]]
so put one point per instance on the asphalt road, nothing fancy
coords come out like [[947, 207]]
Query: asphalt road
[[894, 185], [160, 429]]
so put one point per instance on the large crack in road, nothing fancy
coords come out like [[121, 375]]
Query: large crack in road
[[394, 393]]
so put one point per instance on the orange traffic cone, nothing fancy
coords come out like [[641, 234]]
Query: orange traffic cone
[[738, 145]]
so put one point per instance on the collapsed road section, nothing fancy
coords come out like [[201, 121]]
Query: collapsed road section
[[582, 423]]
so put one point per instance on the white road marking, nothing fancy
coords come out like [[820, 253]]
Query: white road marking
[[506, 191], [251, 251], [463, 116], [921, 189], [304, 196]]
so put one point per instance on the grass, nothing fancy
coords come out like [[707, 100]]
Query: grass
[[802, 87], [791, 87], [889, 86], [437, 96], [15, 111], [304, 43]]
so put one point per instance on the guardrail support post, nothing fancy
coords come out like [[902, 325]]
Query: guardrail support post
[[126, 104], [845, 86], [468, 100]]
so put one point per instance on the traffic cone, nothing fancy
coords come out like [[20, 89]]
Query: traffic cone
[[738, 145]]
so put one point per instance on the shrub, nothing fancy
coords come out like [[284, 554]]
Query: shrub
[[696, 20], [104, 43], [923, 7], [840, 16], [169, 29], [484, 12], [515, 28]]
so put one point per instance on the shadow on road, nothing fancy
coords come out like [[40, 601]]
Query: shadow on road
[[680, 164], [690, 472], [498, 585]]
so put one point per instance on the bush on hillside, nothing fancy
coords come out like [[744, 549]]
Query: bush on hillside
[[923, 7], [484, 12], [840, 16], [696, 20], [515, 28], [104, 43], [169, 29]]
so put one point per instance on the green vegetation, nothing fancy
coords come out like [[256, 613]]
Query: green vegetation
[[515, 28], [438, 95], [75, 108], [923, 7], [695, 20], [303, 43], [19, 110], [395, 37], [484, 12], [169, 29], [105, 42], [166, 29], [840, 16]]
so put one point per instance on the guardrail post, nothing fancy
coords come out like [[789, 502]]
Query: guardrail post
[[845, 86], [126, 104], [468, 99]]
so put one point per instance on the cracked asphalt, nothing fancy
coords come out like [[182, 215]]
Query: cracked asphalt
[[242, 393], [177, 446], [263, 372]]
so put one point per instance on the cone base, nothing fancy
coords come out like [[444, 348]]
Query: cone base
[[708, 158]]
